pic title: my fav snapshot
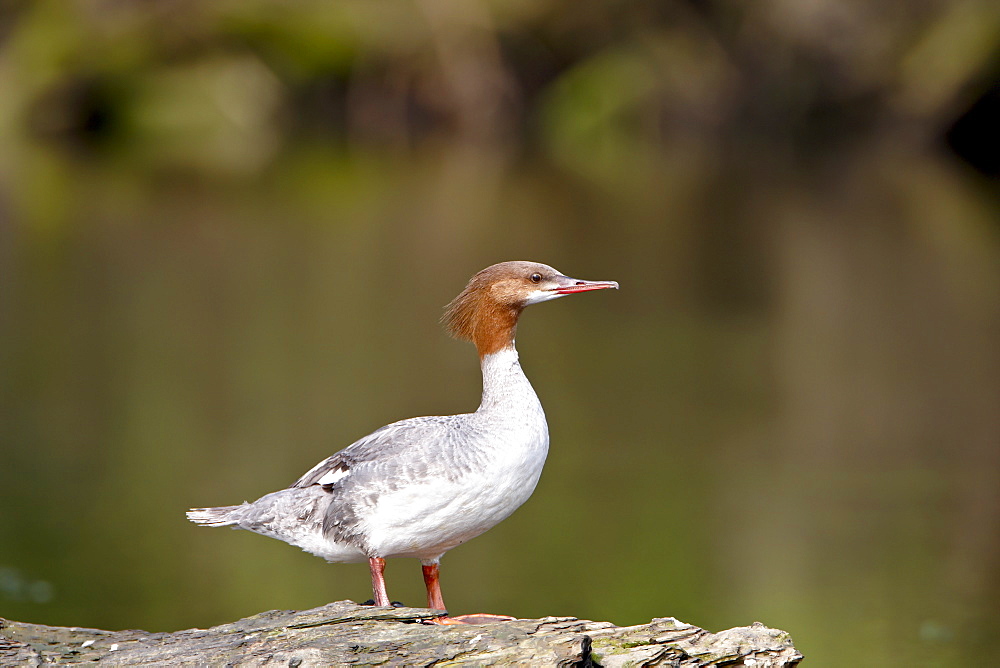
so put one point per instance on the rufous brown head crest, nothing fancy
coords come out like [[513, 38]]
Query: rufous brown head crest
[[487, 310]]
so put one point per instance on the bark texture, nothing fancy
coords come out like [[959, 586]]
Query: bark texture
[[344, 633]]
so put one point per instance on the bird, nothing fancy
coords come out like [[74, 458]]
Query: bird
[[424, 485]]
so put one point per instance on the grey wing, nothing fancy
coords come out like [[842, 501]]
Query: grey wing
[[337, 466], [393, 444], [326, 472], [386, 459]]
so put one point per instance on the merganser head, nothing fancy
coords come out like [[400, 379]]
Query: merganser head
[[486, 311]]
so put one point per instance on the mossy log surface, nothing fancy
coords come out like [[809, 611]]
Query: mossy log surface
[[345, 633]]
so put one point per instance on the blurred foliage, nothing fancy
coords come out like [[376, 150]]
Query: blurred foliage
[[221, 85]]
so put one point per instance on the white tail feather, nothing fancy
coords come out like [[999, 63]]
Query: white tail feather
[[214, 517]]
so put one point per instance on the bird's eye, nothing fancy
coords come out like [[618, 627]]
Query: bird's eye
[[535, 278]]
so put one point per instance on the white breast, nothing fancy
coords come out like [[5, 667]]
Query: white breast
[[494, 466]]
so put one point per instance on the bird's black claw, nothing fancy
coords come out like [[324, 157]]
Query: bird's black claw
[[395, 604]]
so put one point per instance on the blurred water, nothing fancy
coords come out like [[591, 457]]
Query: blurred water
[[786, 414]]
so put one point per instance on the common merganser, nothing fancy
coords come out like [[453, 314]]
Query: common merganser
[[419, 487]]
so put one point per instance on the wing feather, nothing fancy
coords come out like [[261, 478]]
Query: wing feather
[[397, 454]]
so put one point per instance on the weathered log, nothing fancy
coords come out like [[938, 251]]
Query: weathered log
[[344, 633]]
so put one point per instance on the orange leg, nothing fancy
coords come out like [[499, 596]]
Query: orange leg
[[433, 583], [377, 566], [436, 602]]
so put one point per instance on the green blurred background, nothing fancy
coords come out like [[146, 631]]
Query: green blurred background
[[227, 230]]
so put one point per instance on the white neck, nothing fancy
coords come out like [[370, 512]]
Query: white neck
[[505, 387]]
